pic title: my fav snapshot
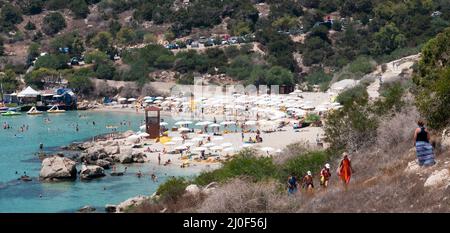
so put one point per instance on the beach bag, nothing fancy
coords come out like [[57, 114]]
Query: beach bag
[[322, 180]]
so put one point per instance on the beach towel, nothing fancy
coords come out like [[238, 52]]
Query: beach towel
[[424, 153]]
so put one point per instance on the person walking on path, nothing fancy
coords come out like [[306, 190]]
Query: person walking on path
[[292, 184], [325, 175], [345, 169], [424, 150], [308, 181]]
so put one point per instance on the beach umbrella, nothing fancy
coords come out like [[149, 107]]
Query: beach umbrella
[[203, 123], [132, 99], [157, 101], [163, 123], [250, 123], [188, 144], [203, 135], [142, 127], [228, 123], [217, 138], [122, 99], [170, 143], [177, 139], [214, 125], [197, 139], [210, 144], [179, 123], [200, 148], [246, 145], [147, 97], [143, 135], [183, 129], [148, 101], [133, 138], [216, 148], [182, 147], [226, 144], [159, 98]]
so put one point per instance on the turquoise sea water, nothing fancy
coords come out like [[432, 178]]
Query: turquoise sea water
[[18, 153]]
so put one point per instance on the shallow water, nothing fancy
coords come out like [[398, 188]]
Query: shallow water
[[18, 153]]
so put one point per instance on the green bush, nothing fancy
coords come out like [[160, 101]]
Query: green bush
[[310, 118], [310, 161], [172, 189], [52, 61], [318, 78], [53, 23], [95, 56], [432, 80], [245, 164], [392, 99], [356, 94], [363, 65]]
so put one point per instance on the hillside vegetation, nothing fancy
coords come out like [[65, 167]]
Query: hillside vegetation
[[328, 36], [378, 136]]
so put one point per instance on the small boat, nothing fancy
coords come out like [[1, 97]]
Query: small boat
[[55, 109], [11, 113], [34, 111]]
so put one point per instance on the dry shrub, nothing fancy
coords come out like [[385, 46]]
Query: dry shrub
[[149, 90], [291, 151], [185, 204], [241, 196]]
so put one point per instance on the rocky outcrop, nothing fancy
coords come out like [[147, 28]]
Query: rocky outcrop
[[192, 189], [86, 209], [112, 150], [110, 208], [91, 172], [103, 163], [129, 203], [138, 157], [58, 168], [438, 178]]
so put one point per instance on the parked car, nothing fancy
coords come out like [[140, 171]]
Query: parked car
[[194, 44], [189, 41], [202, 40], [172, 46]]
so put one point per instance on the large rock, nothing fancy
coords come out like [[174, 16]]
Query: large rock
[[129, 203], [95, 151], [91, 171], [112, 150], [412, 167], [103, 163], [446, 139], [138, 157], [124, 158], [86, 209], [58, 168], [437, 178], [110, 208], [192, 189]]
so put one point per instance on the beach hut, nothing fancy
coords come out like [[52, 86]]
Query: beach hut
[[152, 121]]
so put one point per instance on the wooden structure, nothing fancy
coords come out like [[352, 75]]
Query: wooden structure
[[152, 121]]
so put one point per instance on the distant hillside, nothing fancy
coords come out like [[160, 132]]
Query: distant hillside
[[301, 41]]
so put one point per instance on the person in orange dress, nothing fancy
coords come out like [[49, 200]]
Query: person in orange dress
[[345, 169]]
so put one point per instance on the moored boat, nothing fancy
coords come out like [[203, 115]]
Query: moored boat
[[11, 113], [55, 109], [34, 111]]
